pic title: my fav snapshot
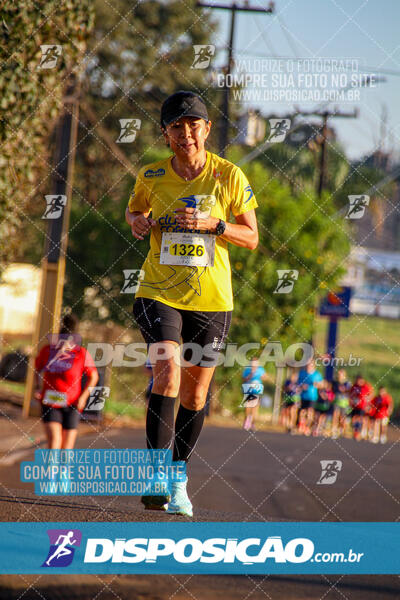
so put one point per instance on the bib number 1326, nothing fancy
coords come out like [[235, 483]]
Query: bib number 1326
[[187, 249]]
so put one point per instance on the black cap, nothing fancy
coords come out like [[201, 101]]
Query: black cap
[[182, 104]]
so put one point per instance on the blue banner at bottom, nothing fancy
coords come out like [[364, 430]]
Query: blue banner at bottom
[[200, 548]]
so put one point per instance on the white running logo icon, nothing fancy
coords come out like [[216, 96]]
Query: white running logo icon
[[62, 549]]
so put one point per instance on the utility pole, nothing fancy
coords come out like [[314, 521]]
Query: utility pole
[[322, 156], [326, 114], [280, 371], [53, 261], [233, 8]]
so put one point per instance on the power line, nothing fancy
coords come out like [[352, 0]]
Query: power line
[[326, 114], [233, 8], [288, 35], [267, 42], [324, 133]]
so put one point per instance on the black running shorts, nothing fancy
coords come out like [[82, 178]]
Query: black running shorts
[[159, 322], [68, 417]]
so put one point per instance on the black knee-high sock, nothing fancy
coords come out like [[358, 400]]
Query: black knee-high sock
[[160, 421], [188, 426]]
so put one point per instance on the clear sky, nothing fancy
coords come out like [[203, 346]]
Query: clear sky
[[364, 29]]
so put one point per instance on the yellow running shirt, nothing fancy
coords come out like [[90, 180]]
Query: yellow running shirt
[[159, 189]]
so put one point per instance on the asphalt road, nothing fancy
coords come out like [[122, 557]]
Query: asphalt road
[[233, 476]]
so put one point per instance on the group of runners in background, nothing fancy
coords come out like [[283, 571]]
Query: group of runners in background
[[314, 406]]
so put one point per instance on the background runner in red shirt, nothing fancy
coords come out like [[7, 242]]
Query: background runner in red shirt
[[360, 395], [60, 366], [381, 409]]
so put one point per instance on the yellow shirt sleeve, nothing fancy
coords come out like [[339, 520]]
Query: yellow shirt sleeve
[[242, 196], [139, 200]]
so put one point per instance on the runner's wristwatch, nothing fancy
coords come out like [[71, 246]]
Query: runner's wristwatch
[[219, 230]]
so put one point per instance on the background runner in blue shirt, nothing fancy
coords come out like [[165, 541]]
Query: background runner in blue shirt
[[252, 374], [309, 381]]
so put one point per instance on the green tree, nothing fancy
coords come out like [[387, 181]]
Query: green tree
[[101, 247], [31, 101], [137, 54], [297, 231], [140, 53]]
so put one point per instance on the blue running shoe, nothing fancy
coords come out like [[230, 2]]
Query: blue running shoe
[[180, 503]]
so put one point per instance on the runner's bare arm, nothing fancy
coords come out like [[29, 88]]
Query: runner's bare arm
[[139, 222], [243, 233], [37, 385], [267, 377], [91, 382]]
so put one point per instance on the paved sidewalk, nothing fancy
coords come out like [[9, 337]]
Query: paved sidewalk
[[18, 434]]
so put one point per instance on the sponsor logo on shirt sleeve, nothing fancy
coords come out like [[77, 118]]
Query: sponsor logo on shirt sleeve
[[249, 193]]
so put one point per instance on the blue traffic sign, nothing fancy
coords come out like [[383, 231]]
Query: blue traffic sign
[[336, 304]]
